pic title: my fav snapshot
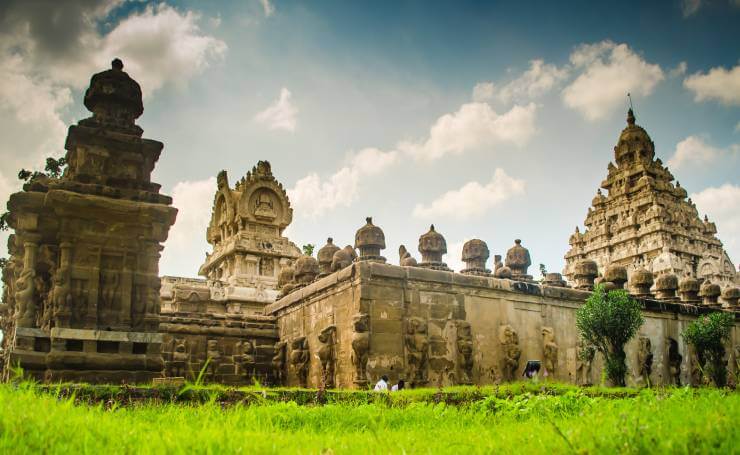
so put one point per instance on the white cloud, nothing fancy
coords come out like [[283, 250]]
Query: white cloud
[[608, 72], [695, 151], [679, 70], [280, 115], [267, 7], [474, 125], [536, 81], [718, 84], [720, 204], [311, 196], [186, 243], [472, 199], [690, 7]]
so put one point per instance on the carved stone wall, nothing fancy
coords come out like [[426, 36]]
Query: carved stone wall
[[432, 327]]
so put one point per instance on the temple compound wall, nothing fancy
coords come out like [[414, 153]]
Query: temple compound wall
[[435, 327]]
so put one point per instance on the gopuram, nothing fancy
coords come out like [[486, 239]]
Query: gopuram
[[81, 288], [83, 300], [644, 220]]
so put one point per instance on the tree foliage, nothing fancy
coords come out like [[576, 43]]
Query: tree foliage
[[607, 321], [708, 336], [54, 168], [308, 249]]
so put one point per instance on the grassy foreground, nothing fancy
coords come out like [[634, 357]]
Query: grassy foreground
[[662, 421]]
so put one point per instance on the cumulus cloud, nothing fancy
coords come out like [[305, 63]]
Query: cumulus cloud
[[718, 84], [690, 7], [472, 199], [313, 196], [280, 115], [720, 204], [474, 125], [679, 70], [186, 243], [608, 71], [540, 78], [695, 151], [267, 7]]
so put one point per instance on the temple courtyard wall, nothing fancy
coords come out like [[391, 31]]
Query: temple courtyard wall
[[433, 328]]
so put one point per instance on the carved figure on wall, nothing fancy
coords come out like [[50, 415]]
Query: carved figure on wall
[[674, 361], [404, 257], [263, 206], [24, 298], [299, 359], [244, 356], [343, 258], [61, 297], [327, 356], [109, 291], [645, 359], [178, 364], [550, 350], [465, 351], [584, 362], [278, 362], [213, 357], [497, 264], [417, 350], [510, 343], [360, 346]]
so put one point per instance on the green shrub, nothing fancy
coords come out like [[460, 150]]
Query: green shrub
[[607, 321], [708, 336]]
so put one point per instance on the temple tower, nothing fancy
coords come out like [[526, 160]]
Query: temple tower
[[82, 284], [644, 218]]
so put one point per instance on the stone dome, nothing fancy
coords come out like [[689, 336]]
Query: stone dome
[[475, 253], [641, 277], [616, 274], [731, 293], [306, 269], [634, 143], [688, 284], [587, 267], [666, 281], [325, 256], [286, 275], [432, 244], [709, 289], [370, 235], [113, 97], [518, 260]]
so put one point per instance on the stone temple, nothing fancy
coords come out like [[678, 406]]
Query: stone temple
[[83, 299]]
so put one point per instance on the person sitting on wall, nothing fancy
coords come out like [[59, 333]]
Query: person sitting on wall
[[400, 386], [382, 384]]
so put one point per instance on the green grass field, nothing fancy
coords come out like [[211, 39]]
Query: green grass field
[[516, 419]]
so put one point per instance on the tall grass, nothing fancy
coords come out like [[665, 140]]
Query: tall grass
[[668, 421]]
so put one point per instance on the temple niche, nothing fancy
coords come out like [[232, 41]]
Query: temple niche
[[82, 283], [646, 221]]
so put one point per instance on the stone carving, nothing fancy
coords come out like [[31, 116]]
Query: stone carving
[[278, 362], [509, 340], [730, 295], [688, 289], [306, 270], [360, 347], [61, 297], [177, 366], [550, 351], [497, 264], [645, 218], [465, 351], [299, 358], [555, 280], [343, 258], [404, 258], [584, 274], [325, 257], [645, 359], [503, 272], [327, 355], [617, 275], [640, 283], [709, 292], [584, 362], [666, 286], [518, 260], [24, 299], [475, 253], [370, 239], [674, 361], [417, 351], [244, 357], [286, 280], [213, 357], [432, 247]]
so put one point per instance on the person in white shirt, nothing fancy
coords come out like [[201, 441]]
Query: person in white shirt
[[382, 384], [400, 386]]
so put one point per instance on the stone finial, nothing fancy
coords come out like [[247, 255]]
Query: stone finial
[[475, 253], [631, 117], [730, 295], [503, 272], [404, 257], [370, 239], [665, 287], [325, 256], [286, 280], [584, 273], [640, 283], [688, 289], [518, 260], [616, 274], [709, 292], [114, 98], [343, 258], [432, 247], [554, 279], [306, 269], [497, 264]]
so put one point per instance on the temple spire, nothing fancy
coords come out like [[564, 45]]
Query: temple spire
[[630, 112]]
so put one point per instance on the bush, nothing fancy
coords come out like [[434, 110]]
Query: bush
[[708, 336], [607, 322]]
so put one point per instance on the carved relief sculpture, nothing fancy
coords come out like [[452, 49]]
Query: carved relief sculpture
[[674, 361], [584, 362], [213, 357], [417, 351], [299, 358], [404, 257], [178, 364], [465, 351], [645, 359], [327, 355], [509, 340], [278, 362], [360, 347], [550, 350], [343, 258]]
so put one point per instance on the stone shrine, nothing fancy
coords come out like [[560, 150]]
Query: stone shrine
[[82, 282], [644, 220]]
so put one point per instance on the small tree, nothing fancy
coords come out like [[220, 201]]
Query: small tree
[[708, 336], [308, 249], [607, 322]]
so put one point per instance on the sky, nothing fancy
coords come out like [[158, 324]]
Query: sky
[[491, 120]]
